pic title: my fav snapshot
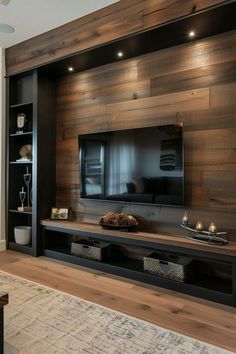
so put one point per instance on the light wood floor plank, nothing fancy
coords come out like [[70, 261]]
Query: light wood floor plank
[[197, 318]]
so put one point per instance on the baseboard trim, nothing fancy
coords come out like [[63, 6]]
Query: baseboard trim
[[2, 245]]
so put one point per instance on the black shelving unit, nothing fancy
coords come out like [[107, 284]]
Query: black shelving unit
[[30, 93]]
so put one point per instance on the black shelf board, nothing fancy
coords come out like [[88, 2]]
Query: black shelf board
[[127, 263], [20, 248], [214, 283], [22, 134], [206, 282], [128, 268], [20, 163], [19, 105], [20, 212]]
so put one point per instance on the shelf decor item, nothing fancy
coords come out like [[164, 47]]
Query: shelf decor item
[[212, 236], [60, 214], [23, 235], [212, 228], [21, 122], [22, 195], [27, 179], [118, 221], [185, 218], [199, 226], [25, 153], [168, 265]]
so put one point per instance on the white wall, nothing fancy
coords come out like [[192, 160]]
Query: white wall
[[2, 150]]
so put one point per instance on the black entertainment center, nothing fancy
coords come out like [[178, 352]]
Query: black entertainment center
[[215, 267]]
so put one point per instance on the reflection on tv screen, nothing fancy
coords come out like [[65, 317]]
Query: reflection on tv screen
[[142, 165]]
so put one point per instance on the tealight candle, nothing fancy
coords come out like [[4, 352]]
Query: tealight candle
[[212, 228], [185, 218], [199, 226]]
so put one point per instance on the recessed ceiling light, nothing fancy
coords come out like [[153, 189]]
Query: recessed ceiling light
[[4, 2], [70, 68], [4, 28], [120, 54], [191, 34]]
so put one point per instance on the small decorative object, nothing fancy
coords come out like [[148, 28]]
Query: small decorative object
[[23, 235], [212, 228], [185, 219], [21, 122], [22, 194], [25, 153], [60, 213], [199, 226], [27, 179], [212, 236], [120, 221]]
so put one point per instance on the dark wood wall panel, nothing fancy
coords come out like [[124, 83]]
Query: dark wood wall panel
[[193, 84], [213, 50], [194, 79], [113, 22], [160, 11], [130, 113]]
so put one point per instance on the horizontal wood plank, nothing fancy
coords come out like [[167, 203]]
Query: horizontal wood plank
[[113, 22], [157, 12], [126, 114], [200, 77]]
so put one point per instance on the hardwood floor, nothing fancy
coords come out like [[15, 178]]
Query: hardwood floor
[[201, 319]]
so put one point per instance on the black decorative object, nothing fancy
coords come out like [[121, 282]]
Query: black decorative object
[[118, 227]]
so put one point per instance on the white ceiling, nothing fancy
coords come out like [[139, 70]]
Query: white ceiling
[[33, 17]]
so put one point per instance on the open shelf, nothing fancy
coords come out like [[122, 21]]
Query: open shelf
[[20, 212], [21, 134], [20, 105], [31, 94], [20, 162]]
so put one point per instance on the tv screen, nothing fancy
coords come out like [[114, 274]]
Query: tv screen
[[143, 165]]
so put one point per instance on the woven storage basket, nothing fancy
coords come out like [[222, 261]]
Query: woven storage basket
[[95, 250], [169, 266]]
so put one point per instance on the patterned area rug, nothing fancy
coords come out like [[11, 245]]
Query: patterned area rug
[[44, 321]]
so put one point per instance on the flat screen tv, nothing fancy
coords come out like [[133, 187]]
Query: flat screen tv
[[143, 165]]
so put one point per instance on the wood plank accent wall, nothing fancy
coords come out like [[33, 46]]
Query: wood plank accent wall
[[193, 83], [113, 22]]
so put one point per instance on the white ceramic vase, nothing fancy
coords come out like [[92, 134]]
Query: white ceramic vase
[[23, 235]]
